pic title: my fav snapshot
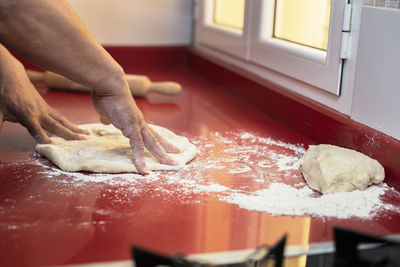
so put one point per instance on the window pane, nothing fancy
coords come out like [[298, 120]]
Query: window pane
[[304, 22], [229, 13]]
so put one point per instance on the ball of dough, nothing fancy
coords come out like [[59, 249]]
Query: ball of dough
[[330, 169]]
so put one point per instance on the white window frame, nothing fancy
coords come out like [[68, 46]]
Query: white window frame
[[316, 67], [320, 69], [225, 39]]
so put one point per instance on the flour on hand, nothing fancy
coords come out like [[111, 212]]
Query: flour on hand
[[106, 150], [330, 169]]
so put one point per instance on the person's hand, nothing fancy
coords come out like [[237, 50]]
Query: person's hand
[[121, 110], [20, 102], [83, 60]]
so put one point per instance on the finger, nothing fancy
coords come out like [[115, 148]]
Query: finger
[[66, 123], [155, 147], [37, 132], [137, 147], [57, 128], [170, 148]]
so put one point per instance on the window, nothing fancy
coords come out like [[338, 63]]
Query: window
[[303, 22], [222, 25], [229, 13], [301, 39]]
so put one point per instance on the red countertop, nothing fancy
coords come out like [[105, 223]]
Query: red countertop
[[49, 218]]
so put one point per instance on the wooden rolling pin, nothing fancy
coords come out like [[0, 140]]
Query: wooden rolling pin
[[140, 85]]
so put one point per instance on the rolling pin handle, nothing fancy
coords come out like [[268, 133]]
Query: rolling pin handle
[[35, 76], [1, 119], [166, 88]]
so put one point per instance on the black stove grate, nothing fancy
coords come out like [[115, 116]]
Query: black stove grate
[[352, 249]]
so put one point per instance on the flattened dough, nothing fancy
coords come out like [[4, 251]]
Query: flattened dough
[[106, 150], [330, 169]]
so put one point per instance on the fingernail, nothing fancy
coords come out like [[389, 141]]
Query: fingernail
[[172, 162], [82, 137], [49, 142]]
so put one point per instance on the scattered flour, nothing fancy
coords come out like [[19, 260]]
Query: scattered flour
[[242, 170], [281, 198], [252, 172]]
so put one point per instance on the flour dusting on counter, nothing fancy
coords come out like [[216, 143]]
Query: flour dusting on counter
[[243, 169], [281, 198]]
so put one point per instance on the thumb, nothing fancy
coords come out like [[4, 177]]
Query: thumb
[[103, 116], [1, 119]]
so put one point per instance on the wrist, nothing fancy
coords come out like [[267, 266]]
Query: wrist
[[9, 65], [112, 83]]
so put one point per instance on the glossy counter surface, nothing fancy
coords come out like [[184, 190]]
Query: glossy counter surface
[[48, 217]]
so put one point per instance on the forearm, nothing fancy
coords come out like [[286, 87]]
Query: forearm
[[51, 35], [9, 65]]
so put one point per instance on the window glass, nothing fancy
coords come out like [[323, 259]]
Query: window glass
[[304, 22], [229, 13]]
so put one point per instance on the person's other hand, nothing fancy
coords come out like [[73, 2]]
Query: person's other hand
[[20, 102], [122, 111]]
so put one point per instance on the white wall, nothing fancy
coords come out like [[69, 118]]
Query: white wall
[[376, 99], [137, 22]]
